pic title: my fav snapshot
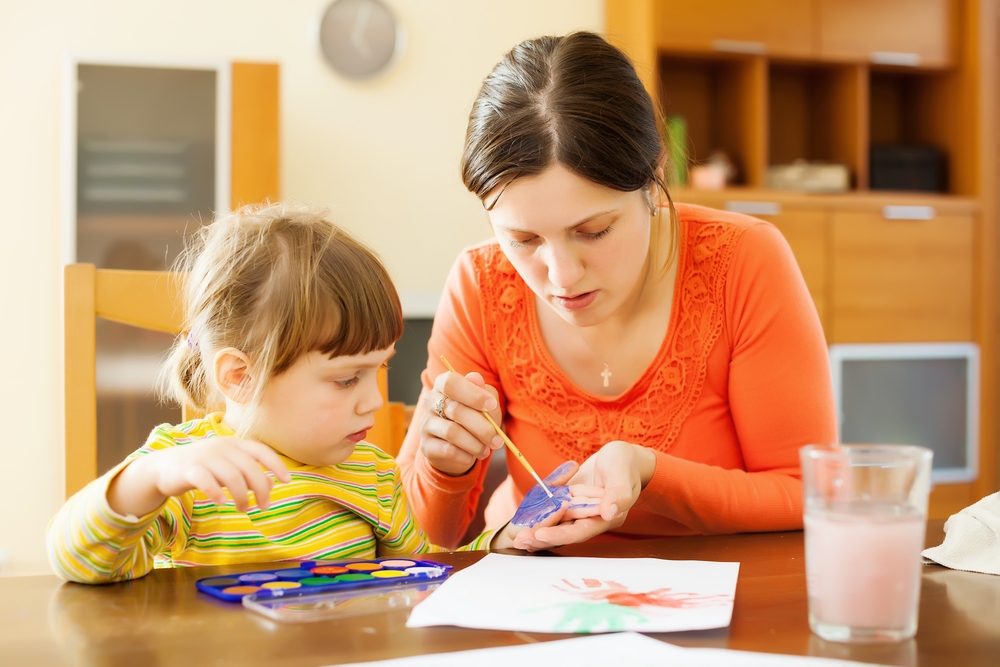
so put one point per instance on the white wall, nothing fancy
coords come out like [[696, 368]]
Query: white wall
[[384, 154]]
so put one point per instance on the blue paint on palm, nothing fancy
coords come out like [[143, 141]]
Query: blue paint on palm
[[537, 506]]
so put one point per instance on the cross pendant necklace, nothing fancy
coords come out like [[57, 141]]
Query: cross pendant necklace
[[606, 373]]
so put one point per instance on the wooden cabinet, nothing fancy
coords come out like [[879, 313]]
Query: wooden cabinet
[[909, 33], [882, 269], [774, 27], [891, 32], [901, 280], [773, 82], [908, 277]]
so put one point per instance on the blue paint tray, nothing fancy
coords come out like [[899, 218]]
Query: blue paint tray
[[348, 578]]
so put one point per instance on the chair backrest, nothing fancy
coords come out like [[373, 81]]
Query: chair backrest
[[148, 300]]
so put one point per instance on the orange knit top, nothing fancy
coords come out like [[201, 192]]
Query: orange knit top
[[740, 382]]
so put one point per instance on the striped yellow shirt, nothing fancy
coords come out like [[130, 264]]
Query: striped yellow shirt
[[355, 509]]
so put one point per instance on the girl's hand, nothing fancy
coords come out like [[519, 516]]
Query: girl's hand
[[454, 439], [510, 536], [208, 465], [620, 470], [577, 501], [520, 537]]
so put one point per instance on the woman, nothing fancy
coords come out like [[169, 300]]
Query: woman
[[673, 351]]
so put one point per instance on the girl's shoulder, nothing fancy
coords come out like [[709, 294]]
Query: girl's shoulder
[[367, 465], [173, 435], [365, 452], [366, 458]]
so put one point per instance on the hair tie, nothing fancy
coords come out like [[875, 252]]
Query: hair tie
[[191, 342]]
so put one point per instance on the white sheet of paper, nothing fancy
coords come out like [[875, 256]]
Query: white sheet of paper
[[542, 594], [602, 650]]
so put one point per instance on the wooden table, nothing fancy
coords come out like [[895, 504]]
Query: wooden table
[[162, 620]]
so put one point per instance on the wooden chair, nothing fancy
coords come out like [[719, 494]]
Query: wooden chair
[[148, 300]]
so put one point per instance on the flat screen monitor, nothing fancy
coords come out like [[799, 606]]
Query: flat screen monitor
[[915, 394]]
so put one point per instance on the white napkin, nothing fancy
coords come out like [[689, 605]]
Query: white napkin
[[971, 539]]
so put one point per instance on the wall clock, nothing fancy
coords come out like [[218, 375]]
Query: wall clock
[[359, 38]]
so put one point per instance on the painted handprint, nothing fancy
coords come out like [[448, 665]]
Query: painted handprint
[[608, 606], [619, 594]]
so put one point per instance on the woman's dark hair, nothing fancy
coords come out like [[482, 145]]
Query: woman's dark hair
[[573, 100]]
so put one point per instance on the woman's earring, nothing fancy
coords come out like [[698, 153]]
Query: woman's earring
[[652, 205]]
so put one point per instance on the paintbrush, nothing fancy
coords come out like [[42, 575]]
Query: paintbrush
[[510, 445]]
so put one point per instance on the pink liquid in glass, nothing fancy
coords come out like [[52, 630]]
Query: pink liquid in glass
[[863, 571]]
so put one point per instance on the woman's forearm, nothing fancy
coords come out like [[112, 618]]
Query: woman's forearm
[[710, 499], [443, 505], [647, 463]]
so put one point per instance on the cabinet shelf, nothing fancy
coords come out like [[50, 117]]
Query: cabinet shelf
[[777, 81], [814, 114], [763, 112], [717, 97]]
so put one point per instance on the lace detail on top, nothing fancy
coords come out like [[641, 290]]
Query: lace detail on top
[[651, 411]]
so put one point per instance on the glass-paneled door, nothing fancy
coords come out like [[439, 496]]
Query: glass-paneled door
[[147, 163]]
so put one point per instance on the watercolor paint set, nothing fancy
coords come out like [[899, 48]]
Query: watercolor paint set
[[311, 590], [336, 605]]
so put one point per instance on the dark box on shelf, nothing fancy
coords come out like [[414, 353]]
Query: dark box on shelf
[[907, 167]]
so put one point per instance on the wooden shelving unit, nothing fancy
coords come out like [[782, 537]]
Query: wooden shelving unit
[[774, 81]]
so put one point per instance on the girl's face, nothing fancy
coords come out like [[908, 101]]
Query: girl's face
[[320, 408], [581, 247]]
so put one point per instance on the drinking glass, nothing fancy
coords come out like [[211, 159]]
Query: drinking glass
[[865, 519]]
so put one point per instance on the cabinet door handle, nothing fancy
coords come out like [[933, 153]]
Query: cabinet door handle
[[898, 58], [908, 212], [739, 46], [754, 207]]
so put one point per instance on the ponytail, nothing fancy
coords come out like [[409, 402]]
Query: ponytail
[[184, 379]]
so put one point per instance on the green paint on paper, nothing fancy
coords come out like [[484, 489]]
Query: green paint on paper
[[595, 617]]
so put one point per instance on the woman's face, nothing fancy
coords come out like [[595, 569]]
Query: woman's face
[[580, 247]]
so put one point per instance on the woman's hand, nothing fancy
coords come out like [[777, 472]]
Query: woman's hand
[[454, 434], [208, 465], [621, 470]]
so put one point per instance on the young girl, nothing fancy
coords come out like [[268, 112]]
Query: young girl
[[288, 319]]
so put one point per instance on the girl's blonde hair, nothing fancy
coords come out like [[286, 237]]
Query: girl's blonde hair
[[275, 281]]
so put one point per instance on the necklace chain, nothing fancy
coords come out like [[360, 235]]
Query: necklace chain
[[606, 373]]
